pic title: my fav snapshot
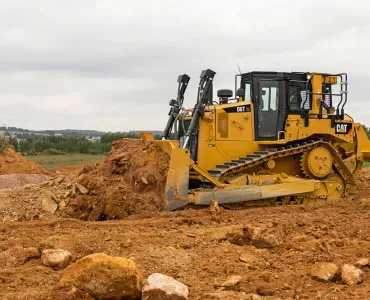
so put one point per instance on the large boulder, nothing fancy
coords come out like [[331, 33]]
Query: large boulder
[[162, 287], [324, 271], [56, 258], [104, 277], [352, 275]]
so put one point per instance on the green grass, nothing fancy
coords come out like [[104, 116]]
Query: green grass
[[55, 162]]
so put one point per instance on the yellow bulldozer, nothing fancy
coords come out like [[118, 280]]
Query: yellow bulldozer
[[284, 139]]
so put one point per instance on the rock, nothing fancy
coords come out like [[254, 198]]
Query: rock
[[62, 205], [324, 271], [104, 277], [265, 291], [214, 207], [352, 275], [59, 179], [192, 235], [56, 258], [248, 258], [49, 205], [143, 179], [82, 189], [263, 237], [231, 281], [229, 295], [73, 193], [260, 237], [18, 256], [363, 262], [163, 287]]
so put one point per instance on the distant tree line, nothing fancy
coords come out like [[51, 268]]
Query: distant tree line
[[59, 145]]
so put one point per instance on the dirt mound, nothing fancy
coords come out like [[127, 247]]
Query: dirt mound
[[14, 163], [131, 179]]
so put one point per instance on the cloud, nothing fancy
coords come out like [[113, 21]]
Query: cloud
[[113, 65]]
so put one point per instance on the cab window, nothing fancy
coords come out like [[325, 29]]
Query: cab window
[[294, 101]]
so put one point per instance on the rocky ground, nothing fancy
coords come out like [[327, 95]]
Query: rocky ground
[[203, 250], [300, 252]]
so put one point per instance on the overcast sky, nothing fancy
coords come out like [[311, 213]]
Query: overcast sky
[[112, 65]]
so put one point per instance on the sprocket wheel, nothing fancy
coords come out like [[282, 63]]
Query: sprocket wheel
[[316, 163]]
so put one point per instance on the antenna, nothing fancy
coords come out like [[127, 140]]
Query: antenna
[[240, 71]]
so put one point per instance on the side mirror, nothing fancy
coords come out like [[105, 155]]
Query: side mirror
[[263, 92]]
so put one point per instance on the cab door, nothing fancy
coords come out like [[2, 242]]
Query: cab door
[[270, 107]]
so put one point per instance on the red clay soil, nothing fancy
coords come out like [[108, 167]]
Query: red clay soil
[[130, 180], [14, 163], [197, 247], [202, 249]]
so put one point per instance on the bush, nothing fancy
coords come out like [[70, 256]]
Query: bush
[[5, 143]]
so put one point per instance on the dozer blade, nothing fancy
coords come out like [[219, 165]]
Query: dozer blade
[[177, 183], [235, 194]]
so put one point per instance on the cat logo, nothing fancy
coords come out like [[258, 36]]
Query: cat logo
[[238, 109], [343, 128]]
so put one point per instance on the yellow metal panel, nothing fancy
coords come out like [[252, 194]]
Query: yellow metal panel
[[316, 82], [295, 127], [332, 79], [223, 125], [239, 125], [148, 136]]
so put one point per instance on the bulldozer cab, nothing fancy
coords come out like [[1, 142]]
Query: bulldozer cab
[[275, 96]]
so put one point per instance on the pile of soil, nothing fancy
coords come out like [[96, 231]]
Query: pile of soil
[[14, 163], [130, 180], [22, 198]]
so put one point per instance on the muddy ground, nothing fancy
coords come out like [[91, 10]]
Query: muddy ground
[[198, 248]]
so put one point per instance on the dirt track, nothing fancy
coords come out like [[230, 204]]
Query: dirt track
[[197, 248]]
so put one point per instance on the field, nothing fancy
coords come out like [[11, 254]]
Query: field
[[55, 162]]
